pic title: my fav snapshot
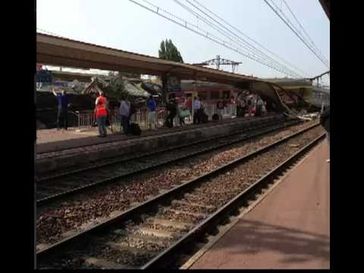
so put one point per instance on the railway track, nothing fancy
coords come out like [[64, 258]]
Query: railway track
[[59, 220], [60, 186], [153, 233]]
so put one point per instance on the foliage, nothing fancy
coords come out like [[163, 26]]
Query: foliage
[[168, 51]]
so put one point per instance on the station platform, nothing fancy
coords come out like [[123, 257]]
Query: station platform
[[289, 228], [50, 140], [85, 150]]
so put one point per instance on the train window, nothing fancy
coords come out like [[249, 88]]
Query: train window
[[215, 95]]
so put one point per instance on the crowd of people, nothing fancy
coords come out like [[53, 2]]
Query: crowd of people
[[248, 104]]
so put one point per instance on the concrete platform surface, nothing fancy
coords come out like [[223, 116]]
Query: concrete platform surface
[[49, 140], [81, 152], [288, 229]]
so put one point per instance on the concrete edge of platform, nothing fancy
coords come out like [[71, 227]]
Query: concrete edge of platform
[[243, 211], [72, 143], [138, 145]]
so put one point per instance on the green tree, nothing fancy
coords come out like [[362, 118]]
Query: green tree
[[169, 51]]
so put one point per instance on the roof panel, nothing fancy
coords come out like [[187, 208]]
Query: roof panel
[[60, 51]]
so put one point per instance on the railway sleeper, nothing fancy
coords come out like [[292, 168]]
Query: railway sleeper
[[193, 207], [105, 264], [125, 256], [168, 223], [174, 211], [156, 233], [175, 215], [227, 192], [210, 200], [137, 247], [168, 228], [181, 202], [135, 238]]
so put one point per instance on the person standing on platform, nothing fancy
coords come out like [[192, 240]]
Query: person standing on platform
[[62, 113], [172, 112], [250, 104], [182, 112], [124, 112], [197, 111], [152, 107], [259, 106], [220, 109], [242, 107], [101, 113], [325, 122], [188, 104]]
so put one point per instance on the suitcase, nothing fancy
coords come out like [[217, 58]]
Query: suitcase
[[135, 129]]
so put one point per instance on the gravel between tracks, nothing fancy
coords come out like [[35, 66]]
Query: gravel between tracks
[[127, 244], [77, 214]]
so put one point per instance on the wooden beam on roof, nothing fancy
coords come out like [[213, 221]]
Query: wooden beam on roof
[[59, 51], [70, 76], [65, 52]]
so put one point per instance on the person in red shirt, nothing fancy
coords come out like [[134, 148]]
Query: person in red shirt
[[188, 104], [101, 113]]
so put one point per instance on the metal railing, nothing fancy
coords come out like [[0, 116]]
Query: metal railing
[[86, 118]]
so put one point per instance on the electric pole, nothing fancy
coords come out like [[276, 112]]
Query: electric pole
[[218, 62]]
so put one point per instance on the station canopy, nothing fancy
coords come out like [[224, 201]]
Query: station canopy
[[59, 51]]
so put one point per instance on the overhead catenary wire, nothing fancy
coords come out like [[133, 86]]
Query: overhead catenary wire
[[246, 36], [203, 33], [289, 24], [252, 47], [304, 31], [247, 46]]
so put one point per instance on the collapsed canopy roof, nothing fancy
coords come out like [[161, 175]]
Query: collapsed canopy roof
[[97, 84]]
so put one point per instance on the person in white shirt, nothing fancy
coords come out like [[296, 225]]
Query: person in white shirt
[[197, 110], [124, 112], [259, 106]]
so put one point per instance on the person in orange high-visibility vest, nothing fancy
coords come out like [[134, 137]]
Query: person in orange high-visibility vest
[[101, 113]]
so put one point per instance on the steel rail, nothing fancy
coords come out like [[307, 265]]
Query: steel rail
[[91, 186], [163, 198]]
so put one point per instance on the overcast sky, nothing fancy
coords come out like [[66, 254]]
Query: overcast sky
[[123, 25]]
